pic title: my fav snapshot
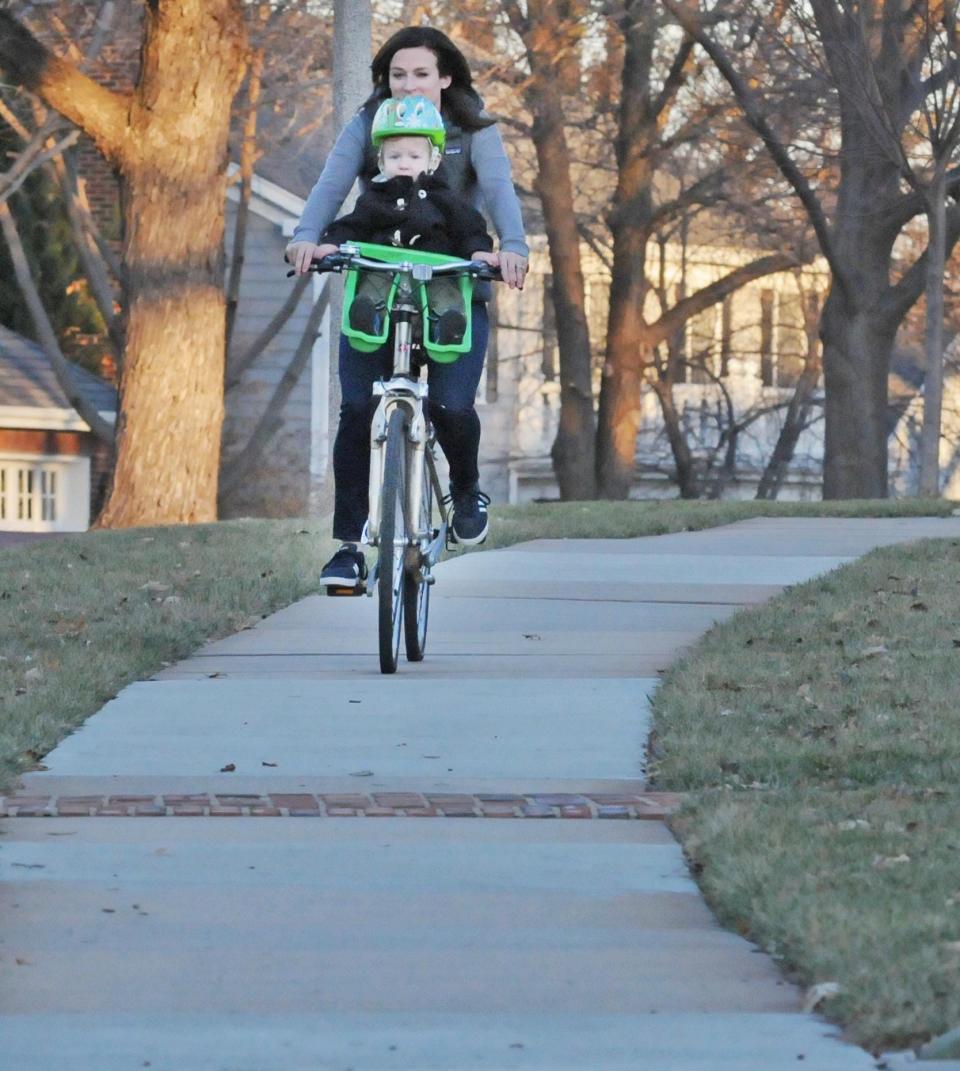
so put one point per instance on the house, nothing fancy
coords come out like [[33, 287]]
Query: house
[[741, 358], [53, 470]]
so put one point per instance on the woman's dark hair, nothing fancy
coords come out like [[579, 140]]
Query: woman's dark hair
[[460, 99]]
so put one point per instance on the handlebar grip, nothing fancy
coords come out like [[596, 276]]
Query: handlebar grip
[[331, 262]]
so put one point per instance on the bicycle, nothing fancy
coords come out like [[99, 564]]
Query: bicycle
[[404, 489]]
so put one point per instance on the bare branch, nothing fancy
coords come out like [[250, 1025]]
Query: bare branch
[[103, 429], [908, 289], [236, 368], [99, 112], [675, 76], [29, 161], [235, 469], [673, 319], [685, 13]]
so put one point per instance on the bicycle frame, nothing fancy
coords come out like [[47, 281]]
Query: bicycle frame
[[400, 437], [402, 389]]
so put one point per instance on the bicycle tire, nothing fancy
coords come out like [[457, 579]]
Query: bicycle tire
[[393, 541], [416, 586]]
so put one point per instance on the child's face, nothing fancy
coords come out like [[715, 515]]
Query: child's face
[[405, 156]]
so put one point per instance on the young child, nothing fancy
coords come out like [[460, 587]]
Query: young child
[[410, 204]]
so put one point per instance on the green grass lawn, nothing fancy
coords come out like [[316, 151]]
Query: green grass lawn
[[819, 738]]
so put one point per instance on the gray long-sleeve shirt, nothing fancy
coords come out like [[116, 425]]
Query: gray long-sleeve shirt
[[484, 179]]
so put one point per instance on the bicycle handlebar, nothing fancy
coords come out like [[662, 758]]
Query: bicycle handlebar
[[336, 262]]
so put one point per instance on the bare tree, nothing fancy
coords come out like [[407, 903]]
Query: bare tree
[[859, 220], [551, 32], [168, 139], [651, 131]]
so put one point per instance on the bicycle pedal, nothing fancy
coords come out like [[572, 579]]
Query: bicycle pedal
[[345, 592]]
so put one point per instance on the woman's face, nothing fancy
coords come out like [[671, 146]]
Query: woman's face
[[414, 71]]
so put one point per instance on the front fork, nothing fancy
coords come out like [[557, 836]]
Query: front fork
[[393, 393], [402, 390]]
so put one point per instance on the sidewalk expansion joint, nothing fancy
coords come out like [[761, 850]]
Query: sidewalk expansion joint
[[643, 805]]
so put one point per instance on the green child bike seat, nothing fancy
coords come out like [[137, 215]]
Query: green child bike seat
[[365, 343]]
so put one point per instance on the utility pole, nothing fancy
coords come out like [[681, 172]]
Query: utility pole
[[351, 86]]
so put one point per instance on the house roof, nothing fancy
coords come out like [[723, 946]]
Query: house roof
[[29, 389]]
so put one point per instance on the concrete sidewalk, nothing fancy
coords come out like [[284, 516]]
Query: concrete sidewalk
[[236, 937]]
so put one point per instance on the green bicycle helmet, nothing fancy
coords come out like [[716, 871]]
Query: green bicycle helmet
[[408, 117]]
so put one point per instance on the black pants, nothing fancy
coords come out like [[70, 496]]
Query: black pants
[[453, 388], [443, 294]]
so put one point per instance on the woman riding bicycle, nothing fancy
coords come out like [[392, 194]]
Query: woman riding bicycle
[[415, 61]]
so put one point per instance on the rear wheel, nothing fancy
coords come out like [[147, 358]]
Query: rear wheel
[[416, 587], [393, 540]]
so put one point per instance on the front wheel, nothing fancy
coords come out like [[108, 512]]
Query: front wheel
[[393, 540], [416, 585]]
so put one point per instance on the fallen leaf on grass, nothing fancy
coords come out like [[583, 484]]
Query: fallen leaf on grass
[[804, 692], [871, 652], [852, 823], [884, 862], [818, 993]]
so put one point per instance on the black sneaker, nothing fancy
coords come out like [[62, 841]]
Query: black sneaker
[[346, 569], [470, 521], [366, 316], [450, 328]]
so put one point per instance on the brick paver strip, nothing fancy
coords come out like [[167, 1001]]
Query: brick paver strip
[[644, 805]]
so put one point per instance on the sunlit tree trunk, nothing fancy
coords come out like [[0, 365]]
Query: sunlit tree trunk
[[550, 34]]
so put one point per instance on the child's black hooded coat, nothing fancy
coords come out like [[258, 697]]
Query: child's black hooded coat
[[422, 213]]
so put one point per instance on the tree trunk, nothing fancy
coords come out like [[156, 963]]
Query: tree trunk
[[618, 422], [573, 449], [933, 338], [618, 417], [549, 33], [856, 359], [351, 86], [173, 189]]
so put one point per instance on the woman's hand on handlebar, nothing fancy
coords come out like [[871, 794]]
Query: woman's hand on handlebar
[[486, 258], [513, 269], [302, 254]]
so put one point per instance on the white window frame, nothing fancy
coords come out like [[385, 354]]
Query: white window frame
[[59, 493]]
